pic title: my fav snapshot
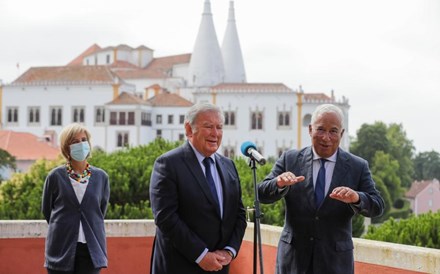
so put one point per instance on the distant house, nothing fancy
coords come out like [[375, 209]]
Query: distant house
[[27, 148], [424, 196]]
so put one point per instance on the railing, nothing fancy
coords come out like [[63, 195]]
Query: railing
[[130, 243]]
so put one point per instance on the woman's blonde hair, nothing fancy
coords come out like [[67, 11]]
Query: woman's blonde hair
[[67, 136]]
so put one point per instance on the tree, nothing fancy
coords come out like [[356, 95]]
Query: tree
[[6, 160], [386, 168], [427, 165], [369, 140], [20, 197], [129, 172], [402, 149]]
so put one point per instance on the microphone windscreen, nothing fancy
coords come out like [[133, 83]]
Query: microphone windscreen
[[245, 146]]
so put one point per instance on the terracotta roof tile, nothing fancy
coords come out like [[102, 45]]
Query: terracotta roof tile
[[26, 146], [416, 188], [67, 74], [78, 60], [126, 98], [158, 67], [316, 97], [167, 99]]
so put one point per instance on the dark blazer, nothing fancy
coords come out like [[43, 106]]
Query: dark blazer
[[63, 213], [187, 219], [319, 236]]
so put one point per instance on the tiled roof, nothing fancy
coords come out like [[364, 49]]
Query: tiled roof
[[416, 188], [67, 75], [126, 98], [123, 64], [26, 146], [316, 97], [251, 87], [78, 60], [167, 99], [158, 67]]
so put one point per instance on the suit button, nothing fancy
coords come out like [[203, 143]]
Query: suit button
[[317, 218], [311, 238]]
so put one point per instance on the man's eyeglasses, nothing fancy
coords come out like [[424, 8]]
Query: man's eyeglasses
[[333, 133]]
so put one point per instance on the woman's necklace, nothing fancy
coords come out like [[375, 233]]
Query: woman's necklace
[[80, 178]]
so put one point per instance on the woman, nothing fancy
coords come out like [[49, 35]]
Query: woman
[[74, 203]]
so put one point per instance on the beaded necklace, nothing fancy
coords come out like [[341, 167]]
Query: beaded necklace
[[80, 178]]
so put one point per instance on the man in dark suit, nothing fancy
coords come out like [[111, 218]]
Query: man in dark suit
[[321, 197], [195, 195]]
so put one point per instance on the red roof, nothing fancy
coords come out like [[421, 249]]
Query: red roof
[[416, 188], [67, 74], [158, 67], [26, 146], [78, 60]]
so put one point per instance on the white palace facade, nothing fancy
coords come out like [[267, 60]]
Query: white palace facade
[[127, 96]]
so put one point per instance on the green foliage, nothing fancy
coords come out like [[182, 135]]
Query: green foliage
[[129, 172], [358, 226], [401, 149], [386, 168], [7, 160], [427, 165], [20, 197], [370, 139], [422, 230], [389, 153], [271, 213]]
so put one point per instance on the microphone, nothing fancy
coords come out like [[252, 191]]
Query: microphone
[[249, 149]]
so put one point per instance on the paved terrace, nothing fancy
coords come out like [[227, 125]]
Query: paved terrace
[[130, 242]]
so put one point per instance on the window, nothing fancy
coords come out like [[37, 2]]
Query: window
[[159, 133], [56, 116], [159, 119], [122, 139], [170, 119], [122, 118], [78, 114], [181, 119], [33, 116], [229, 118], [12, 113], [257, 120], [99, 115], [113, 118], [107, 58], [229, 152], [283, 119], [130, 118], [146, 119], [181, 137]]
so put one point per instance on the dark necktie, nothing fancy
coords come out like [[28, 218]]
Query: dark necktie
[[320, 184], [207, 162]]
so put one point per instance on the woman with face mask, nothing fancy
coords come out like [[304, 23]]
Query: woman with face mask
[[74, 203]]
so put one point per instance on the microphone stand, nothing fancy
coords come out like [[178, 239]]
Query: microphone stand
[[257, 216]]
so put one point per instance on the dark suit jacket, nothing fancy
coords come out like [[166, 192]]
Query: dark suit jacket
[[187, 219], [63, 213], [321, 237]]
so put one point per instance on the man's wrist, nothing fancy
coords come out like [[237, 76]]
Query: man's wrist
[[230, 253]]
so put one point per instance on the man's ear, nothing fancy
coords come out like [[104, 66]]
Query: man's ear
[[188, 130]]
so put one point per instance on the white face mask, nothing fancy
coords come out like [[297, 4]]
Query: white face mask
[[80, 151]]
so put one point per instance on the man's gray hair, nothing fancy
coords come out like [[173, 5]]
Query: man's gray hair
[[198, 108], [327, 108]]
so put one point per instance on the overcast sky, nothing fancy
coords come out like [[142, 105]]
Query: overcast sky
[[383, 55]]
